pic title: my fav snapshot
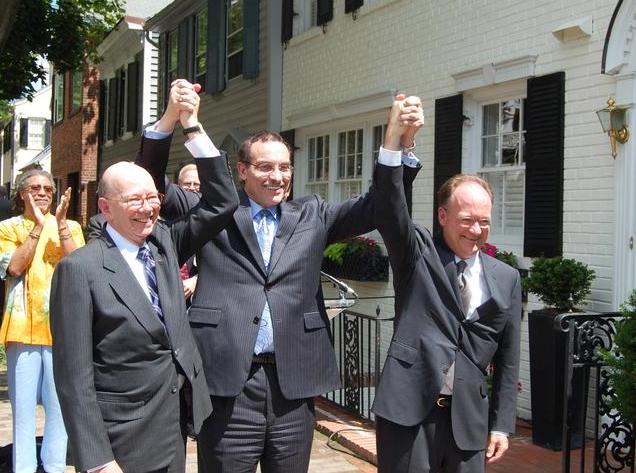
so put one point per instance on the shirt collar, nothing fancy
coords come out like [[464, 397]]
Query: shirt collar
[[473, 264], [121, 242], [256, 208]]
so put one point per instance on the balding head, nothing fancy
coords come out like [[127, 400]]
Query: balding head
[[129, 201]]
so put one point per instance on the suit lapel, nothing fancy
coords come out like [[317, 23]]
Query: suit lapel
[[244, 222], [447, 257], [289, 216], [490, 274], [125, 285]]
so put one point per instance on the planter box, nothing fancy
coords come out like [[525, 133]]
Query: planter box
[[359, 267], [547, 371]]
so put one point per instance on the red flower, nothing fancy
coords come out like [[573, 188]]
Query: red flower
[[489, 249]]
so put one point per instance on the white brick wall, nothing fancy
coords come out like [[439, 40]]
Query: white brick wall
[[415, 45]]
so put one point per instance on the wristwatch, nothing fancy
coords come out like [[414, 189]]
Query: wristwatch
[[193, 129]]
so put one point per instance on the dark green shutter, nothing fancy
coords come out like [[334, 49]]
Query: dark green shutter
[[251, 32], [183, 34], [325, 12], [545, 111], [353, 5], [132, 107], [217, 26], [112, 108], [288, 20], [448, 144], [24, 132]]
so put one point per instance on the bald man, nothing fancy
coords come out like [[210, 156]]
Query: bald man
[[127, 368]]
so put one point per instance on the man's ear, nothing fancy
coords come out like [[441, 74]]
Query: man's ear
[[241, 168], [104, 206], [442, 216]]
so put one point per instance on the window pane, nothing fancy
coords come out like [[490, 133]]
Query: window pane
[[489, 151], [509, 149], [235, 65], [510, 114], [351, 142], [235, 21], [490, 119], [234, 43]]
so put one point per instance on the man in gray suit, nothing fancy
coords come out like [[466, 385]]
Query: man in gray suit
[[257, 313], [127, 369], [457, 311]]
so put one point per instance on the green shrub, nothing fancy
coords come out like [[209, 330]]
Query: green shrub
[[622, 361], [336, 252], [560, 283]]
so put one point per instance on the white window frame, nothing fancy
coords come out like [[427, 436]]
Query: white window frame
[[240, 31], [36, 140], [314, 185]]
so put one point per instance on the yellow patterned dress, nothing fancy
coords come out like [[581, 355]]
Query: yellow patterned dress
[[26, 311]]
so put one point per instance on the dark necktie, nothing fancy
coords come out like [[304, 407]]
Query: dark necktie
[[464, 287], [145, 256]]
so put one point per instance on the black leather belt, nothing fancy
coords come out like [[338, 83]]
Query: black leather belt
[[264, 359], [443, 401]]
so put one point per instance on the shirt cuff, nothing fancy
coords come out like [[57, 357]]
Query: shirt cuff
[[91, 470], [201, 146], [499, 432], [397, 158], [152, 133]]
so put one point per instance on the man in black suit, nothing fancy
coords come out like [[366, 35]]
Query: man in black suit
[[127, 369], [257, 313], [457, 311]]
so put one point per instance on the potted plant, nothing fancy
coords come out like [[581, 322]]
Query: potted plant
[[562, 284], [622, 360], [357, 258]]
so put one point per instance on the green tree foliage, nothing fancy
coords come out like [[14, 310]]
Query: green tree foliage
[[65, 32], [6, 112], [561, 283], [623, 361]]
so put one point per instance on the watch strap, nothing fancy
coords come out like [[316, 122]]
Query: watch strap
[[193, 129]]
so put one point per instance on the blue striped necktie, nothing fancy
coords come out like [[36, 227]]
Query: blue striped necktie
[[145, 256]]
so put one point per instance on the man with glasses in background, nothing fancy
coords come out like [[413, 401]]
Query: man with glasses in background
[[129, 374], [257, 313]]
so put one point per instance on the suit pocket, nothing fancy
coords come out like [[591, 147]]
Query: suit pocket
[[204, 316], [313, 321], [117, 408], [402, 352]]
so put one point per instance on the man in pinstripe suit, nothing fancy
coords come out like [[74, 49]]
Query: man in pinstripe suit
[[257, 314]]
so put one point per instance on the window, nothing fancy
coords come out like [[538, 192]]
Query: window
[[306, 17], [201, 47], [234, 48], [503, 162], [318, 166], [77, 90], [172, 58], [7, 140], [121, 103], [349, 163], [58, 98], [37, 132]]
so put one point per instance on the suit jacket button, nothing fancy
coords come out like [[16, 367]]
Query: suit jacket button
[[173, 390], [256, 320], [177, 351]]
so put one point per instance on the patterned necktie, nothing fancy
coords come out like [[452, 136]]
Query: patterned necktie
[[265, 233], [464, 287], [265, 230], [145, 256]]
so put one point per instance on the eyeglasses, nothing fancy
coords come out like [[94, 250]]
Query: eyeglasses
[[37, 188], [467, 222], [136, 202], [268, 168]]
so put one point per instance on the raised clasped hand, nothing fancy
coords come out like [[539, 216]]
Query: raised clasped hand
[[62, 208]]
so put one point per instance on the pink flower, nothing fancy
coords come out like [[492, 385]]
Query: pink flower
[[489, 249]]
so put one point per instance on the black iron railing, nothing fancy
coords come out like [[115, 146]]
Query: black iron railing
[[613, 443], [360, 353]]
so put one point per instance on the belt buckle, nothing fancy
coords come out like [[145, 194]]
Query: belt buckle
[[443, 401]]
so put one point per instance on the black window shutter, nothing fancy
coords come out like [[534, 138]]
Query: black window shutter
[[132, 107], [24, 132], [448, 144], [183, 34], [102, 112], [251, 14], [290, 137], [47, 133], [545, 111], [217, 26], [288, 21], [112, 107], [325, 12], [353, 5]]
